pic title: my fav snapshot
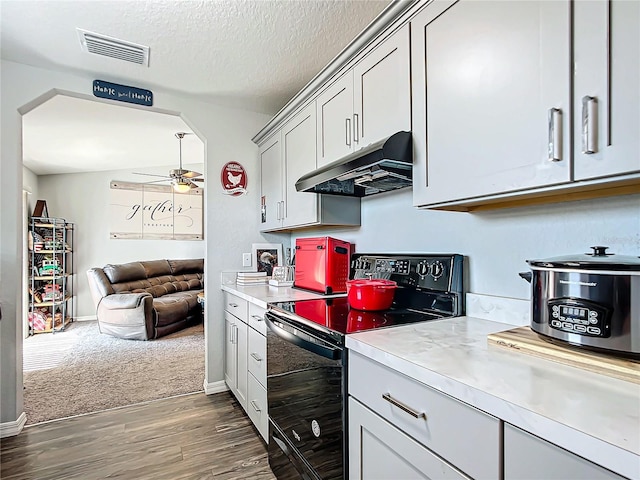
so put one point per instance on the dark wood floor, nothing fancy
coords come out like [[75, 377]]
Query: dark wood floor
[[190, 437]]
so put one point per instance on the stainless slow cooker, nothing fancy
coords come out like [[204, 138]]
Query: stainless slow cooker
[[589, 300]]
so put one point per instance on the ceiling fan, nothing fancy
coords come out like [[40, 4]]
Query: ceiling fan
[[181, 180]]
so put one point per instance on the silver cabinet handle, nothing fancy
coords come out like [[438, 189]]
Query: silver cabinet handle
[[403, 407], [255, 406], [258, 318], [347, 131], [356, 133], [233, 334], [555, 135], [256, 357], [589, 125], [234, 305]]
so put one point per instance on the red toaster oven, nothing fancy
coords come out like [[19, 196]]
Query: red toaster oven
[[322, 264]]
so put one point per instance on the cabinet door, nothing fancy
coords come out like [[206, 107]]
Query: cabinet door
[[335, 112], [230, 352], [299, 152], [243, 367], [488, 80], [529, 457], [607, 88], [271, 183], [380, 451], [382, 91]]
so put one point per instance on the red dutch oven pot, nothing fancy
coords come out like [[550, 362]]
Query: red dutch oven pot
[[373, 294]]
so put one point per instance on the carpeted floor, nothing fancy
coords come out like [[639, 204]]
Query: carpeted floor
[[80, 370]]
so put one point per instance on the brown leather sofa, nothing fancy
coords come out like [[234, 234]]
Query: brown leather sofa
[[147, 300]]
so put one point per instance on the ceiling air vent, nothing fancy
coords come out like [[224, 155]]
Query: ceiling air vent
[[112, 47]]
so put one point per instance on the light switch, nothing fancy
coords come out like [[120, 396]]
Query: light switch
[[246, 259]]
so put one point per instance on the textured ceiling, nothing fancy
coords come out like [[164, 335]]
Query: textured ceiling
[[249, 54]]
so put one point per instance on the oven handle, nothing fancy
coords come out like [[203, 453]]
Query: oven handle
[[325, 351]]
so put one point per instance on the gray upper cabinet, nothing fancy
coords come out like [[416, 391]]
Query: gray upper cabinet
[[607, 79], [284, 158], [369, 102], [335, 108], [299, 157], [491, 98], [271, 196]]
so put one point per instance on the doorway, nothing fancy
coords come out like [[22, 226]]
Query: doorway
[[73, 146]]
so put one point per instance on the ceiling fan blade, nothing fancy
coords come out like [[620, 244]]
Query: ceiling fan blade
[[150, 174], [190, 174], [157, 181]]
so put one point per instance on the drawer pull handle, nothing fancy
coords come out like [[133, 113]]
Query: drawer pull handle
[[234, 305], [257, 317], [256, 357], [255, 406], [403, 407]]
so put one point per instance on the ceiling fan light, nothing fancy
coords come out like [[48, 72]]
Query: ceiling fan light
[[180, 186]]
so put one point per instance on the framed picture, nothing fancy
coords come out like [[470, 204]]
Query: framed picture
[[266, 256]]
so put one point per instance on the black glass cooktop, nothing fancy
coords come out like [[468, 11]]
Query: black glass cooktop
[[335, 314]]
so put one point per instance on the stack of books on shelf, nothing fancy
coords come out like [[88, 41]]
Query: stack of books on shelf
[[252, 278]]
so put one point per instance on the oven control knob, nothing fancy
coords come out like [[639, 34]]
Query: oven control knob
[[437, 269], [422, 268]]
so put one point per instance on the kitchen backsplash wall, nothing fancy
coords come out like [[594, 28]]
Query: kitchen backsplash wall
[[496, 243]]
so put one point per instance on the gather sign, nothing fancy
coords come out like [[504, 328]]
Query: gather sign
[[143, 211]]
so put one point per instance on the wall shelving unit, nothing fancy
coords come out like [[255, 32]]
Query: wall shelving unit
[[51, 275]]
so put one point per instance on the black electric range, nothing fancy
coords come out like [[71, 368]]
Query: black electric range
[[307, 361]]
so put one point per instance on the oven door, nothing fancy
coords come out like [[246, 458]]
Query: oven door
[[305, 391]]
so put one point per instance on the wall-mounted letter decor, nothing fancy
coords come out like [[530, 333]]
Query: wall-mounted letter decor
[[155, 212]]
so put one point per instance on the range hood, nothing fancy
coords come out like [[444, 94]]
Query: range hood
[[380, 167]]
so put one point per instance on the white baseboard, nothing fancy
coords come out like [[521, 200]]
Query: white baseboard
[[11, 429], [215, 387], [86, 318]]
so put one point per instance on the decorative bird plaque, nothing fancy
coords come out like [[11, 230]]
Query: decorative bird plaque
[[234, 179]]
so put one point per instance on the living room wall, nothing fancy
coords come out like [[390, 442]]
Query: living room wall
[[231, 222], [93, 246]]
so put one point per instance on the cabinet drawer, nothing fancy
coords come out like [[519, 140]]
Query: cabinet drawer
[[236, 305], [461, 434], [257, 407], [256, 318], [377, 449], [257, 356]]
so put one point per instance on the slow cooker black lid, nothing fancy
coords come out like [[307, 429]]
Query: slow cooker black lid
[[599, 259]]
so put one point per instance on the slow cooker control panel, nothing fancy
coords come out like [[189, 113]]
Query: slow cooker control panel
[[580, 317]]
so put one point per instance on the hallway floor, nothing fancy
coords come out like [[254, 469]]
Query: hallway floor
[[192, 436]]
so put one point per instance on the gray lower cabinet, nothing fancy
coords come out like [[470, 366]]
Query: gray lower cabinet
[[245, 369], [440, 437], [527, 457], [380, 451], [257, 375], [236, 357]]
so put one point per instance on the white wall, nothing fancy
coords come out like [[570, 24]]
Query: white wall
[[231, 223], [496, 243], [92, 245]]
